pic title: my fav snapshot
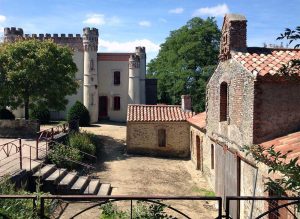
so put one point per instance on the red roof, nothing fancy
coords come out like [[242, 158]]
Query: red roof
[[156, 113], [286, 143], [198, 120], [264, 61]]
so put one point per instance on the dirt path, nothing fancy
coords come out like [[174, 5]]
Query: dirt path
[[140, 175]]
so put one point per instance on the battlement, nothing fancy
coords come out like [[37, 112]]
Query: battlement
[[140, 49], [90, 31], [13, 31]]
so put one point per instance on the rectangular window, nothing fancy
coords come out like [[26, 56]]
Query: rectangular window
[[162, 138], [117, 104], [117, 79]]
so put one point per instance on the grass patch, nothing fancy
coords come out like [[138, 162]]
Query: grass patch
[[203, 192]]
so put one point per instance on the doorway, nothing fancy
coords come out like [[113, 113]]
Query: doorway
[[103, 105]]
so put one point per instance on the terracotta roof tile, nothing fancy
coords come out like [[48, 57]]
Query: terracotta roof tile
[[286, 143], [198, 120], [265, 61], [156, 113]]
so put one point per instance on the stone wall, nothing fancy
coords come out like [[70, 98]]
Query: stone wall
[[239, 126], [205, 153], [277, 110], [19, 128], [142, 138]]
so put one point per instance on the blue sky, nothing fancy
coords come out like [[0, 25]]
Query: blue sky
[[124, 24]]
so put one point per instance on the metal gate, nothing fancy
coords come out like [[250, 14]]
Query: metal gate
[[227, 182]]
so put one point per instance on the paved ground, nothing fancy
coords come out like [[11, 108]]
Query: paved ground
[[139, 175]]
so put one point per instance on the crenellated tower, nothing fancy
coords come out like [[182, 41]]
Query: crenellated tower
[[12, 34], [90, 79], [134, 80], [141, 52]]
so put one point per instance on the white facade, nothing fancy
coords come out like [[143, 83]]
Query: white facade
[[104, 78]]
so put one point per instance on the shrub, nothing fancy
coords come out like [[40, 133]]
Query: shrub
[[80, 112], [19, 208], [83, 142], [6, 114], [61, 154], [40, 113]]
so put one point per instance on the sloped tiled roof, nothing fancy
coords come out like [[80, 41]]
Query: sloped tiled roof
[[198, 120], [156, 113], [265, 61], [290, 142]]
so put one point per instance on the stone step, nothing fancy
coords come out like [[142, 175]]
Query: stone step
[[92, 187], [80, 185], [68, 181], [45, 171], [104, 189], [35, 165], [57, 176]]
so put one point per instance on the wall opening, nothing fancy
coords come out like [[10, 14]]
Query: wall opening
[[117, 104], [117, 78], [162, 138], [198, 152], [212, 154], [223, 101]]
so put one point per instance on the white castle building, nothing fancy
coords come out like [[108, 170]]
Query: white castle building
[[108, 81]]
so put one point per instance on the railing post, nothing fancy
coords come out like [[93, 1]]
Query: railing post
[[42, 207], [34, 200], [220, 208], [227, 208], [20, 151], [131, 209], [52, 134], [37, 147]]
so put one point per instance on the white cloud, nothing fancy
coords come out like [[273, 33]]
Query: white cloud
[[100, 19], [145, 23], [216, 11], [2, 18], [176, 11], [163, 20], [129, 46]]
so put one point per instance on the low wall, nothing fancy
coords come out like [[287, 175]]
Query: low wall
[[19, 128]]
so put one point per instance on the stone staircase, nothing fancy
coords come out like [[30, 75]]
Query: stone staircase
[[60, 181]]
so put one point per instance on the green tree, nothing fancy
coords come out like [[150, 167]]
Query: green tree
[[34, 72], [185, 62]]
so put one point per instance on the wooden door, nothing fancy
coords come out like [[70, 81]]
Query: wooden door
[[103, 105], [198, 153], [227, 182]]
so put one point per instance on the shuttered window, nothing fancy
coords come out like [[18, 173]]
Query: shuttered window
[[117, 79]]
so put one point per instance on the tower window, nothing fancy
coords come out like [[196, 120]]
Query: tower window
[[162, 138], [117, 79], [223, 101], [117, 103], [92, 65]]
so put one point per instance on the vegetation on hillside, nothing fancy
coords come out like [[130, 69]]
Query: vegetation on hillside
[[36, 73], [186, 61]]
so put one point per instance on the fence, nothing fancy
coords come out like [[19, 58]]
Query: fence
[[158, 200]]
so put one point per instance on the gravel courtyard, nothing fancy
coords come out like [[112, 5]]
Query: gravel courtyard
[[140, 175]]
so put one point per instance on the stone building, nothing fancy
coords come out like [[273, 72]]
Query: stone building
[[108, 81], [249, 101], [159, 130]]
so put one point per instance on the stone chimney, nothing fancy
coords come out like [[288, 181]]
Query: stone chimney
[[186, 103], [234, 35]]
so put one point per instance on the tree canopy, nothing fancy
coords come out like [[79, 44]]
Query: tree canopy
[[34, 72], [185, 62]]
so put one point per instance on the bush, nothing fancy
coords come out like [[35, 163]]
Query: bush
[[83, 142], [60, 154], [19, 208], [79, 112], [6, 114], [40, 113]]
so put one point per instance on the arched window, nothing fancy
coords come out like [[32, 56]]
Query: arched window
[[162, 138], [117, 78], [212, 158], [223, 101]]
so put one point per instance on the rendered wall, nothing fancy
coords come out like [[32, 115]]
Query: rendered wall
[[107, 88], [142, 138]]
